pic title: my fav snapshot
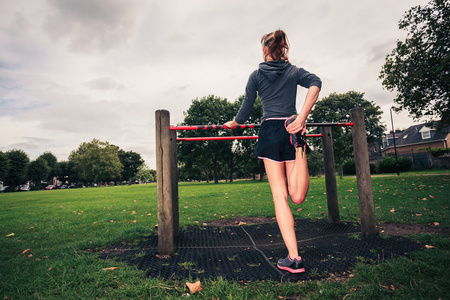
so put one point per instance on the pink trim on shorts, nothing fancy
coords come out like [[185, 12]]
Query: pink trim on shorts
[[260, 157], [281, 118]]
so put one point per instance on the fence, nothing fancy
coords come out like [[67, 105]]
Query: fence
[[167, 177]]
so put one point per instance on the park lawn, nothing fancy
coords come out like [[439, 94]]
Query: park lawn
[[47, 256]]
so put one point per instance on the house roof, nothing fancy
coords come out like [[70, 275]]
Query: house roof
[[414, 135]]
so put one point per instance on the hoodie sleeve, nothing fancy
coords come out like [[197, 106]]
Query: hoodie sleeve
[[249, 100], [307, 80]]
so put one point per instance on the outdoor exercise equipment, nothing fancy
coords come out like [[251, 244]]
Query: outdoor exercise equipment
[[167, 177]]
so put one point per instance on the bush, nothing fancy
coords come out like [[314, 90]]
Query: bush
[[404, 164], [389, 165], [439, 151], [348, 167]]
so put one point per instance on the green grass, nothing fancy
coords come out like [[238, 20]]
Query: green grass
[[58, 226]]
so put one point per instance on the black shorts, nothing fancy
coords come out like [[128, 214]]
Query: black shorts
[[274, 142]]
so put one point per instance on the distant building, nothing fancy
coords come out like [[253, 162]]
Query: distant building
[[416, 143], [414, 138]]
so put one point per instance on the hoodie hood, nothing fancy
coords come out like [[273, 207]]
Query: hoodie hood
[[273, 69]]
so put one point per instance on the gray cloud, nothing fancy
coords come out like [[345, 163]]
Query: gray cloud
[[71, 71]]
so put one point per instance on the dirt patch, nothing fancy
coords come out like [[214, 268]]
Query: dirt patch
[[239, 220], [404, 229], [394, 229]]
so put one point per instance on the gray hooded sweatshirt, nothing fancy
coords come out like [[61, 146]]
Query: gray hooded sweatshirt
[[276, 84]]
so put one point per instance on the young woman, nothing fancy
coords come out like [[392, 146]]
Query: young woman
[[281, 141]]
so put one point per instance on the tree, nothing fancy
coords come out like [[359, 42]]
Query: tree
[[4, 166], [52, 163], [336, 108], [419, 67], [38, 170], [145, 174], [131, 161], [249, 164], [96, 161], [18, 167], [204, 157]]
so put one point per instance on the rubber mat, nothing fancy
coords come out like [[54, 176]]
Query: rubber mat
[[250, 252]]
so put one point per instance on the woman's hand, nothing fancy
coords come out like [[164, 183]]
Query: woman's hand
[[299, 125], [231, 124]]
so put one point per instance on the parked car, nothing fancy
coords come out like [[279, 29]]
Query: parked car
[[50, 187], [3, 188], [24, 187]]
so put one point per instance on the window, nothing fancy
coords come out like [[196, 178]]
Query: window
[[426, 135]]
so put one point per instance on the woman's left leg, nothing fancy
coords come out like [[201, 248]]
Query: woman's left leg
[[298, 177]]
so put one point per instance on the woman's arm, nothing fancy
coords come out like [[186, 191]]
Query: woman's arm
[[300, 122]]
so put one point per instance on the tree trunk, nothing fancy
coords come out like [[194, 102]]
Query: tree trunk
[[231, 170], [340, 169], [261, 170], [216, 180]]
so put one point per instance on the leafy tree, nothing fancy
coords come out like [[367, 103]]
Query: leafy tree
[[419, 67], [204, 157], [336, 108], [131, 161], [145, 174], [38, 170], [243, 156], [18, 162], [96, 161], [4, 166], [52, 163]]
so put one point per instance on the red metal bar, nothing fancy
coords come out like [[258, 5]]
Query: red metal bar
[[222, 127], [221, 138]]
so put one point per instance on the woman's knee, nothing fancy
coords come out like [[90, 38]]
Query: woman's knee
[[298, 196]]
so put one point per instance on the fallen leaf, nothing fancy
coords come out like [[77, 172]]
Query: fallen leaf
[[418, 215], [392, 210], [194, 287], [110, 269], [299, 209], [205, 224], [431, 196], [10, 235], [26, 251], [424, 199], [436, 224], [242, 223], [429, 247], [134, 222]]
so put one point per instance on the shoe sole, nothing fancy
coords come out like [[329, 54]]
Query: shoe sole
[[296, 271]]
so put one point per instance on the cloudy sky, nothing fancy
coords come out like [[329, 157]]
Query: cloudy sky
[[72, 71]]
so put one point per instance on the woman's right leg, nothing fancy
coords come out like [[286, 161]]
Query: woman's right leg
[[276, 173]]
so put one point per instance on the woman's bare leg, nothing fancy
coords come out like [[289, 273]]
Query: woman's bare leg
[[298, 177], [276, 173]]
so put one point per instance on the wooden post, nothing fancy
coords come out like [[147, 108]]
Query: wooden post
[[363, 179], [167, 183], [330, 176]]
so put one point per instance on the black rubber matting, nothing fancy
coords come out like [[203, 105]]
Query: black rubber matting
[[250, 252]]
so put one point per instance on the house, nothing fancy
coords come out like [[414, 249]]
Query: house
[[416, 143]]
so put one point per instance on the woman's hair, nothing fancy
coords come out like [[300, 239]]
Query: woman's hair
[[277, 45]]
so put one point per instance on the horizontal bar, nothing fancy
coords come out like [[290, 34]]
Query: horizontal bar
[[222, 127], [218, 138]]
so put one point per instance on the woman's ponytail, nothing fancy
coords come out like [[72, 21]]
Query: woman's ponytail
[[277, 45]]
